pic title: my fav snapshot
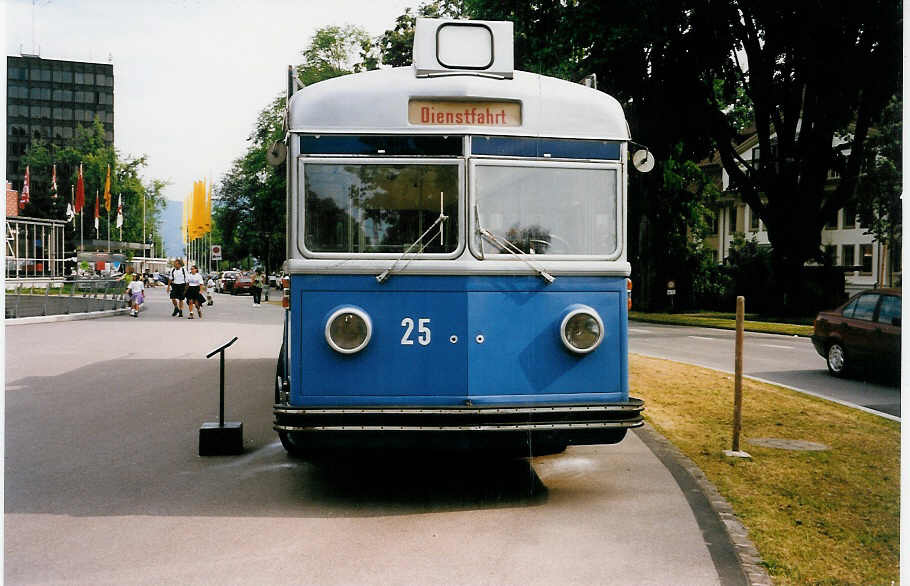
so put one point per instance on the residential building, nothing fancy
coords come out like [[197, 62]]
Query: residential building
[[865, 263], [48, 99]]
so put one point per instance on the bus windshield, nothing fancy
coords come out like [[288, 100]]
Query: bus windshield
[[380, 208], [553, 209]]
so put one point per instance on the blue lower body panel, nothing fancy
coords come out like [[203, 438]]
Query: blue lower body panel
[[458, 354]]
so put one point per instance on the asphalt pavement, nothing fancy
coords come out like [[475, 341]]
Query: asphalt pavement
[[103, 484]]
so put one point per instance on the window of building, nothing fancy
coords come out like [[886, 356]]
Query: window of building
[[865, 257], [109, 135], [63, 114], [847, 256], [63, 95], [849, 216], [41, 111], [40, 75], [15, 73], [99, 79], [83, 78], [109, 117], [713, 221], [831, 220], [17, 91], [754, 222], [105, 98], [63, 76]]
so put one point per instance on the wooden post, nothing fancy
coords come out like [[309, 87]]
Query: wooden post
[[738, 377]]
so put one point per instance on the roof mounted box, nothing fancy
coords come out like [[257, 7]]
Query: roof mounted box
[[463, 47]]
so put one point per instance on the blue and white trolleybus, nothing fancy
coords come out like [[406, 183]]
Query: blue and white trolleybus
[[456, 256]]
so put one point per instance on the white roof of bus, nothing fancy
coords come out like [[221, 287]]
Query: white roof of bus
[[377, 102]]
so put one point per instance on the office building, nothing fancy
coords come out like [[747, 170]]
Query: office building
[[48, 99]]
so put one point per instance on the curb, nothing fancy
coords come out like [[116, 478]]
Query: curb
[[43, 319], [749, 560]]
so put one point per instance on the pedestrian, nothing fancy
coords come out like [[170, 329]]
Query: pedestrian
[[194, 297], [137, 296], [209, 287], [256, 287], [176, 286], [156, 278]]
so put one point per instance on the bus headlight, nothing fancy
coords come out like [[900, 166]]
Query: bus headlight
[[581, 329], [348, 330]]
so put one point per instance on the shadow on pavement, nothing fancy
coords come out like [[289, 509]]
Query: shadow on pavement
[[119, 438]]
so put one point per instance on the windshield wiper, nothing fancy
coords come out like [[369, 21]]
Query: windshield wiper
[[504, 244], [381, 277]]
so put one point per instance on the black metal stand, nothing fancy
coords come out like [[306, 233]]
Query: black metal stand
[[221, 438]]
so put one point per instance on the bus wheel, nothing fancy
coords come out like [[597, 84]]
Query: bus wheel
[[292, 448]]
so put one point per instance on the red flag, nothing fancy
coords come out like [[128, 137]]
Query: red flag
[[54, 182], [97, 212], [80, 192], [24, 198]]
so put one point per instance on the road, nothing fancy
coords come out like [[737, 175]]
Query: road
[[103, 484], [786, 360]]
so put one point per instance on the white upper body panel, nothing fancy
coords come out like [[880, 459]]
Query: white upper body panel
[[376, 102]]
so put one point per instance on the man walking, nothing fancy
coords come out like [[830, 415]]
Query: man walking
[[256, 287], [176, 286]]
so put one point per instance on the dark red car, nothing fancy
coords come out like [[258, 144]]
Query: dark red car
[[243, 283], [866, 330]]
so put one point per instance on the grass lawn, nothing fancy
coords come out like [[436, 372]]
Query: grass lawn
[[726, 321], [816, 517]]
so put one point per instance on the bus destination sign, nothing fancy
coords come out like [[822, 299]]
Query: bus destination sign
[[455, 113]]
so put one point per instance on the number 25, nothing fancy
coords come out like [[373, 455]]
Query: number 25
[[423, 331]]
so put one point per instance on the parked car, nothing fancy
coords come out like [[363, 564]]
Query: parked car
[[243, 283], [226, 282], [864, 331]]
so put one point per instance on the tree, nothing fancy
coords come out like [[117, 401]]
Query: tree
[[332, 52], [90, 150], [812, 74], [396, 45], [879, 186], [249, 202]]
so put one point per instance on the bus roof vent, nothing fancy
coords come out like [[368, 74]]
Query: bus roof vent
[[463, 47]]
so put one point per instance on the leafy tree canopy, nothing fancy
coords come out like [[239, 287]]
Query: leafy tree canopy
[[90, 150]]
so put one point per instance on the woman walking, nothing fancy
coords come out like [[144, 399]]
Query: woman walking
[[194, 284], [137, 291]]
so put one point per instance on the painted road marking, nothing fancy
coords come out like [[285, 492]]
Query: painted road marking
[[709, 339], [639, 331], [776, 346]]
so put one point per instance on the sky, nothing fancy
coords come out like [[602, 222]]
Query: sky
[[190, 76]]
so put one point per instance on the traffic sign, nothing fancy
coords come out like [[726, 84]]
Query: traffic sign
[[216, 252]]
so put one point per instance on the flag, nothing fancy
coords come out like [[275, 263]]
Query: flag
[[80, 193], [107, 190], [24, 197], [97, 212], [70, 212], [54, 182], [120, 211]]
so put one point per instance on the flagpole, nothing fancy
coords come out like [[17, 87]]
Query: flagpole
[[144, 250]]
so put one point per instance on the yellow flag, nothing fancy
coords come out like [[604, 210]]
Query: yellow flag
[[107, 190]]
